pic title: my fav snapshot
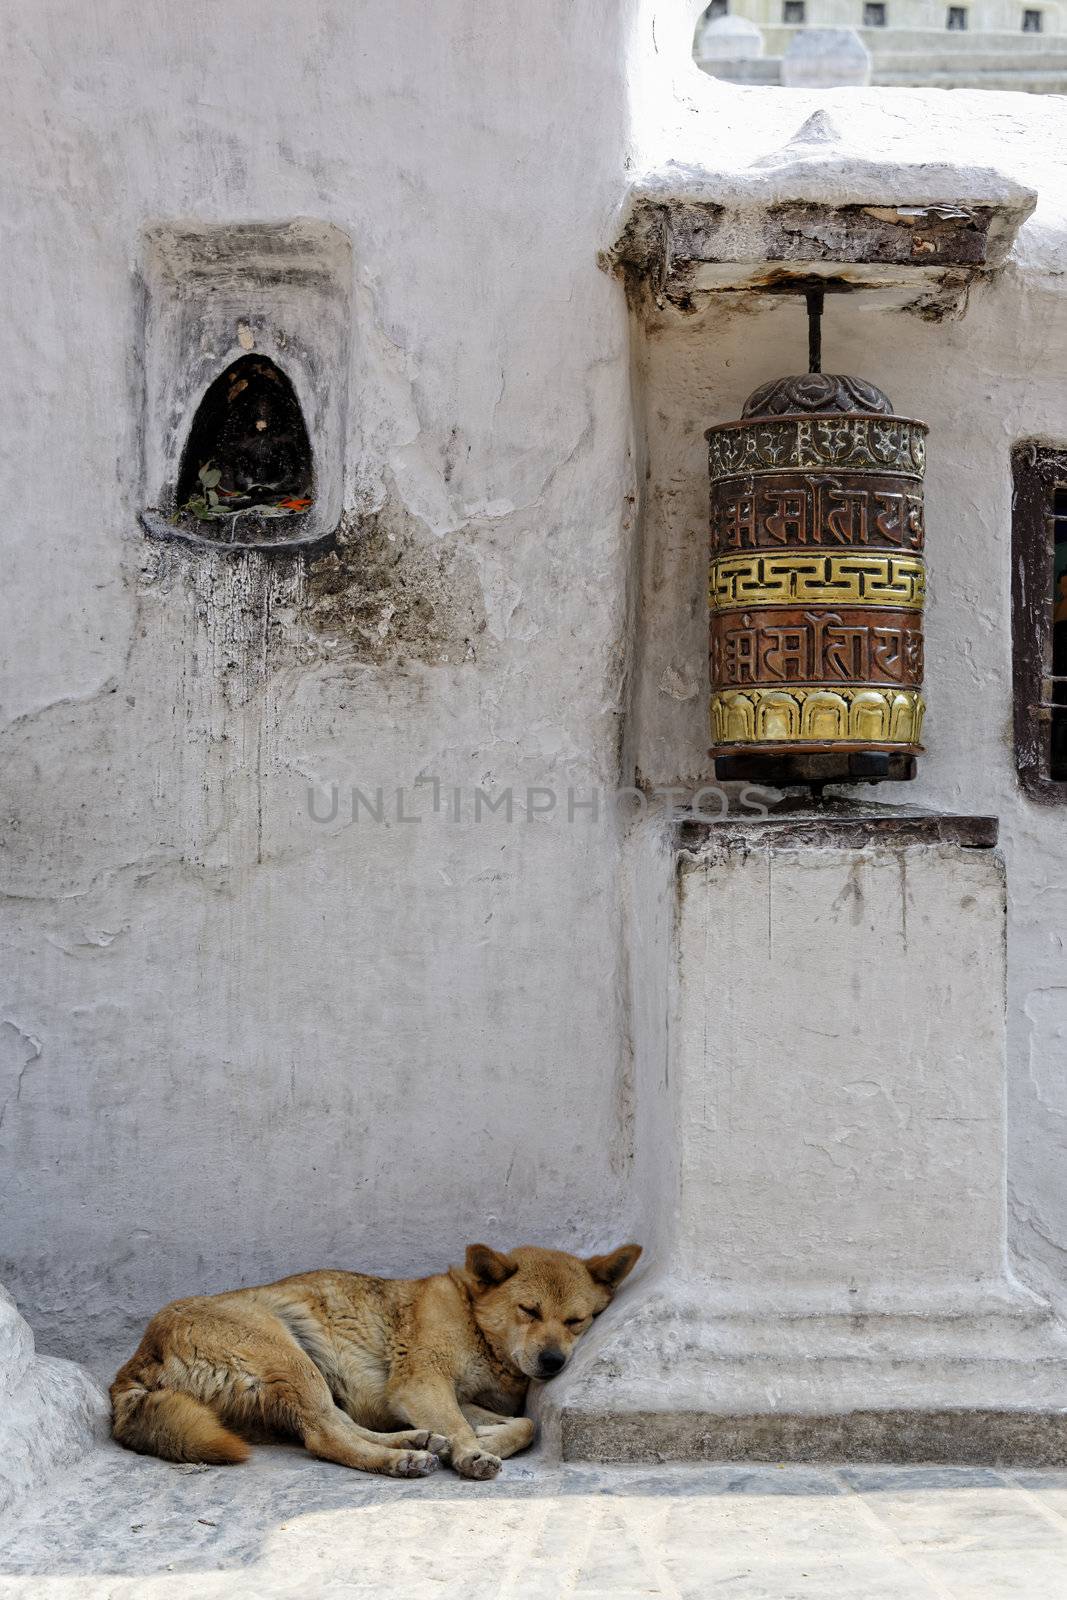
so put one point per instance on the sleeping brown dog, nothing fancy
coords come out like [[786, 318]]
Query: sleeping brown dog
[[386, 1375]]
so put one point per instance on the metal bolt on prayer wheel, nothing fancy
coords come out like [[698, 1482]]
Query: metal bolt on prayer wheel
[[816, 583]]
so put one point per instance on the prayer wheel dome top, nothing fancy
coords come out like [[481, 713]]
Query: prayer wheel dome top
[[816, 392]]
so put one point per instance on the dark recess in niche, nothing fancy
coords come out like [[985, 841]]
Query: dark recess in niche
[[247, 476]]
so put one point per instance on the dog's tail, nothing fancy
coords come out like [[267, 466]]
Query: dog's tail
[[167, 1423]]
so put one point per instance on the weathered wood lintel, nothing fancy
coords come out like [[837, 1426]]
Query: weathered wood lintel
[[816, 213]]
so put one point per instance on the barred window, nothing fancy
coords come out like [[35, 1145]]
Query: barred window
[[793, 11], [956, 21], [874, 14], [1032, 22], [1039, 618]]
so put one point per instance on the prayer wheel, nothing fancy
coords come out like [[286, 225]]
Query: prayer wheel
[[816, 585]]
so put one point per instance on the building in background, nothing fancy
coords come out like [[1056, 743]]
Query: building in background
[[989, 44]]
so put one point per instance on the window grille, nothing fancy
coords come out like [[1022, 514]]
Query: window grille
[[1039, 618]]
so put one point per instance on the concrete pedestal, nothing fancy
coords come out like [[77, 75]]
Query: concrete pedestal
[[50, 1410], [831, 1276]]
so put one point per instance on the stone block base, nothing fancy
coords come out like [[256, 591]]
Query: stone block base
[[979, 1384], [821, 1125]]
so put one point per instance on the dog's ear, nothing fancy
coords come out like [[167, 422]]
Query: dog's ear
[[610, 1270], [489, 1266]]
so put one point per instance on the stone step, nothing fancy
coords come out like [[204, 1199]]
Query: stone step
[[952, 1435], [1017, 82], [882, 42], [885, 41], [915, 70], [986, 61], [760, 69]]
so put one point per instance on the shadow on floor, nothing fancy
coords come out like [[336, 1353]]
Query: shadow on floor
[[285, 1524]]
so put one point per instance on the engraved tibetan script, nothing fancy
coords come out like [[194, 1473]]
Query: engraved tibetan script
[[879, 513], [842, 443], [851, 645]]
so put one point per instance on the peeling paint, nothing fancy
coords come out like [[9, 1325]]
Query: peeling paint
[[17, 1055]]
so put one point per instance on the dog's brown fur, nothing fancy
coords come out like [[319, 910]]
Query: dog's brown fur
[[381, 1374]]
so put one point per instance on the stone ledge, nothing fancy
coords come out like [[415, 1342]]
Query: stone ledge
[[843, 825]]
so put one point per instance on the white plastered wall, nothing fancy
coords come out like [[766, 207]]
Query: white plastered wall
[[234, 1042]]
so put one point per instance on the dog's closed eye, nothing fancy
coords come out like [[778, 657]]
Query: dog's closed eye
[[574, 1322], [533, 1312]]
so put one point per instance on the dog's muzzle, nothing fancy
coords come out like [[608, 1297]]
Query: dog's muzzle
[[549, 1362]]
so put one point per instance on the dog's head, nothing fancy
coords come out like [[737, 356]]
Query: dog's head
[[532, 1305]]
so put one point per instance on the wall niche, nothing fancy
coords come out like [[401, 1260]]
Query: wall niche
[[246, 355]]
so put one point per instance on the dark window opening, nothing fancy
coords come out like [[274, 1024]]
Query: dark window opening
[[1031, 21], [793, 11], [956, 21], [874, 14], [246, 474], [1058, 749], [1039, 618]]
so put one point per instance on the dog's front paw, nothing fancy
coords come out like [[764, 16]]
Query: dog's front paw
[[413, 1464], [476, 1464], [423, 1439]]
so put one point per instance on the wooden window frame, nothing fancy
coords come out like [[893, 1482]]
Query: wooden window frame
[[1038, 471]]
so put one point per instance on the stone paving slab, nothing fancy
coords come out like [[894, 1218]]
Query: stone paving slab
[[122, 1527]]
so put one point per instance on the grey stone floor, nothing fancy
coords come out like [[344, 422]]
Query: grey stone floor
[[119, 1527]]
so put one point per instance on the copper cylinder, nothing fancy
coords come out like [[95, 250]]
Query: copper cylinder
[[816, 584]]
